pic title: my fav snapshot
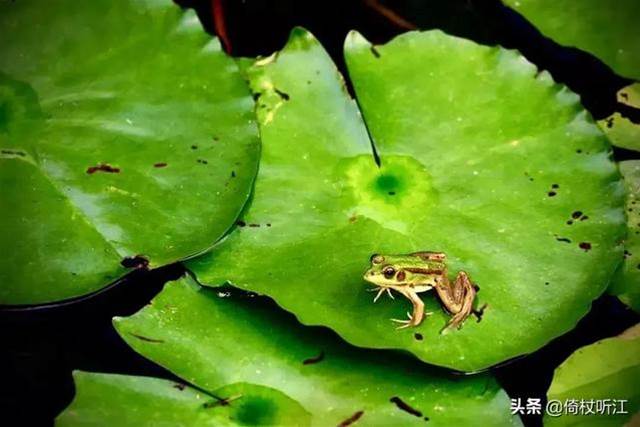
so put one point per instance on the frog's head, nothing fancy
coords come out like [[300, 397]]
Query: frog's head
[[420, 268]]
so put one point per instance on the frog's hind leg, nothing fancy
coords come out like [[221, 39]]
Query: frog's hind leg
[[461, 297]]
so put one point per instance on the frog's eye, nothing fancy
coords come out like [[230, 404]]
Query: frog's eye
[[376, 259], [389, 272]]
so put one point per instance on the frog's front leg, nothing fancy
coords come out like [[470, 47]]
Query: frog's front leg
[[418, 309], [457, 298]]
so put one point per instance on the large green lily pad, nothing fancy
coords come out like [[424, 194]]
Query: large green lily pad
[[121, 400], [216, 339], [607, 371], [481, 158], [608, 30], [626, 282], [621, 131], [125, 132]]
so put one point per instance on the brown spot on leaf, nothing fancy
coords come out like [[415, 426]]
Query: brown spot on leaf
[[401, 404], [179, 386], [203, 161], [563, 239], [102, 167], [374, 51], [146, 339], [551, 193], [281, 94], [609, 122], [586, 246], [418, 336], [241, 223], [576, 214], [352, 419], [159, 165], [314, 359]]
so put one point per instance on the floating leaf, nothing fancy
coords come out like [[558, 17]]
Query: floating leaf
[[121, 400], [213, 337], [607, 371], [621, 131], [605, 29], [126, 134], [626, 283], [481, 158]]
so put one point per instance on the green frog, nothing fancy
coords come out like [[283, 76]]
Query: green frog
[[420, 272]]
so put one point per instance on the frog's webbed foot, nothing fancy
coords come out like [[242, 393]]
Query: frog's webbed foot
[[411, 321], [404, 323]]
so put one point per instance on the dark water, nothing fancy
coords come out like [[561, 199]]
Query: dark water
[[41, 346]]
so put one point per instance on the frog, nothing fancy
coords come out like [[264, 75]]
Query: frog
[[414, 273]]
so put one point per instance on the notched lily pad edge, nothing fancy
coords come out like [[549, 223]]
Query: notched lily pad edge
[[229, 286]]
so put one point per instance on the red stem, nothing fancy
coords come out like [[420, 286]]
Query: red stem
[[220, 24]]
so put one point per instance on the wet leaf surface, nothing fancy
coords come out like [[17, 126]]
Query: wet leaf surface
[[127, 139], [482, 158], [217, 339]]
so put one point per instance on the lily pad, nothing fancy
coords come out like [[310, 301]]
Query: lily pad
[[626, 283], [122, 400], [481, 157], [605, 29], [126, 135], [607, 371], [621, 131], [216, 339]]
